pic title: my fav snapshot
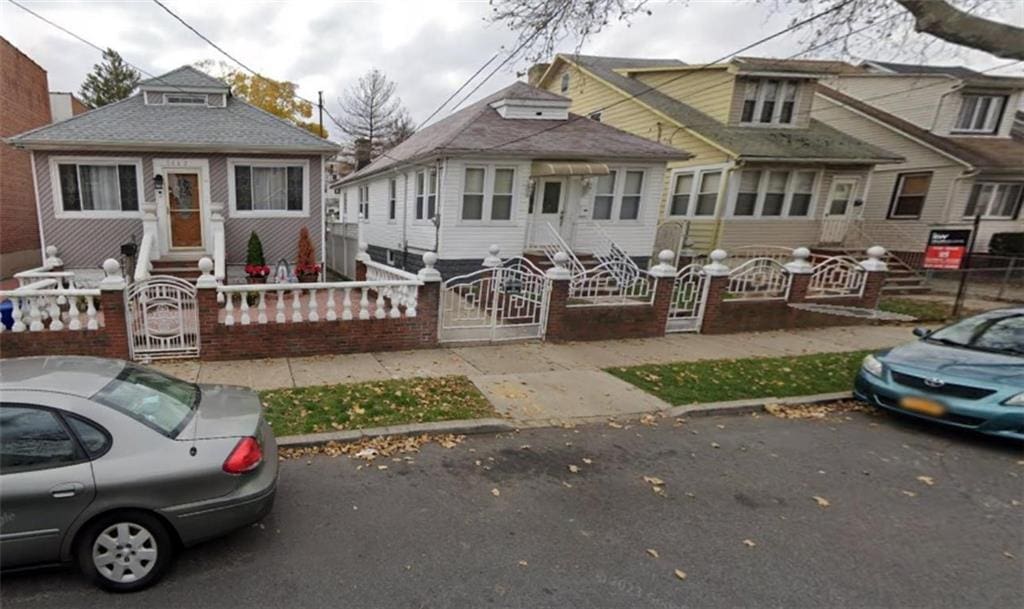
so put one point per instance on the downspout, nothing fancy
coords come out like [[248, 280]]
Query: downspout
[[405, 220], [442, 170], [722, 199]]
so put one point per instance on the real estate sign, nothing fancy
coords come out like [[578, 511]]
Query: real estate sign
[[946, 249]]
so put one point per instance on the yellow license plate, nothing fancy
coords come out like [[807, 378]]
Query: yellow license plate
[[924, 406]]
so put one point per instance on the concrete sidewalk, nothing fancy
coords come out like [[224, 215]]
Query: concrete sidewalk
[[540, 383]]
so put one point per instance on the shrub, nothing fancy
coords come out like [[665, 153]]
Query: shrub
[[1007, 244], [306, 264], [255, 264]]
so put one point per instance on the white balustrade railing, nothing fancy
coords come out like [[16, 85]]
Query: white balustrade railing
[[38, 307], [612, 283], [319, 301], [384, 274], [758, 279], [837, 276]]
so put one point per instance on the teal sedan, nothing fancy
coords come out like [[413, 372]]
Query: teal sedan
[[969, 374]]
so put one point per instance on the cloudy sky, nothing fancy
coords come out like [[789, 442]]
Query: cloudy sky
[[428, 47]]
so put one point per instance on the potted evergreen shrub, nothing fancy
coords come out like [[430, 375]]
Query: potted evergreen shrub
[[306, 267], [256, 268]]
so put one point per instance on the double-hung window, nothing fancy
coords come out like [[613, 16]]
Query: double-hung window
[[615, 198], [270, 187], [774, 193], [98, 186], [426, 194], [909, 196], [392, 198], [487, 193], [980, 113], [707, 193], [768, 101], [364, 202], [995, 200], [681, 193]]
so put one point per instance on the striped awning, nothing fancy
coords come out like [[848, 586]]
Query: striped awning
[[542, 169]]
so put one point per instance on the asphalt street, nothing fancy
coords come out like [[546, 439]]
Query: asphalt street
[[853, 511]]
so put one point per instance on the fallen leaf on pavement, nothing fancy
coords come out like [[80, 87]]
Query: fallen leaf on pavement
[[927, 480], [587, 461], [522, 563], [382, 467], [574, 468], [648, 419], [566, 484], [658, 490], [909, 493], [1009, 555], [749, 543], [654, 480], [822, 502], [680, 574], [614, 425], [495, 492], [716, 445], [653, 552]]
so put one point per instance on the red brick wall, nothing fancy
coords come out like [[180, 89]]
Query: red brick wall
[[222, 342], [606, 322], [24, 105], [110, 340]]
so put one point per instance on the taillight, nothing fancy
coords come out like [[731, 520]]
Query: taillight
[[246, 456]]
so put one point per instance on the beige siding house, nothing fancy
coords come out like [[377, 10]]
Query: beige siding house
[[953, 127], [764, 172]]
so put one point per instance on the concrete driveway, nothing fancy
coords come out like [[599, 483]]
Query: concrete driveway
[[915, 517]]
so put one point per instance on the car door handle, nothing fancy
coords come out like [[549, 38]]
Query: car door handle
[[68, 489]]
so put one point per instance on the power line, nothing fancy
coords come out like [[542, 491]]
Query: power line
[[457, 91]]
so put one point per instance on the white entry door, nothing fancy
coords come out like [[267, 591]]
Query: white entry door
[[839, 210], [549, 208]]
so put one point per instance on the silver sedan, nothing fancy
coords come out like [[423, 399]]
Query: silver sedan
[[115, 466]]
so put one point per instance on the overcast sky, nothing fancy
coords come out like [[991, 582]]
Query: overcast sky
[[428, 48]]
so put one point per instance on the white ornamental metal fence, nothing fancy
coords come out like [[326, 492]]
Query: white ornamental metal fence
[[611, 283], [163, 318], [838, 276], [758, 279], [689, 295], [507, 300]]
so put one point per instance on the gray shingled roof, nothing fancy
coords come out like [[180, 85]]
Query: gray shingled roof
[[131, 124], [185, 77], [818, 141], [971, 76], [480, 129]]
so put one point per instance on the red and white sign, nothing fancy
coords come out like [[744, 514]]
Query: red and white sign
[[946, 249]]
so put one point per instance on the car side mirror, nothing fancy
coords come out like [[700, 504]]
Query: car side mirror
[[921, 332]]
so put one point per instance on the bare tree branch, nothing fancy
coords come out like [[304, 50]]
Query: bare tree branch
[[941, 20]]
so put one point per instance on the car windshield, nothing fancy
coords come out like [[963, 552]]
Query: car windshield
[[154, 399], [1003, 333]]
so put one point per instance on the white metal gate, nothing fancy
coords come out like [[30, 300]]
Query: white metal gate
[[689, 293], [163, 318], [506, 302]]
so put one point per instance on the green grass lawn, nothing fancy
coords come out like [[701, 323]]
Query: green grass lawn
[[737, 379], [372, 404], [923, 310]]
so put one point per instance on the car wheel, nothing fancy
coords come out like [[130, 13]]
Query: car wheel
[[125, 551]]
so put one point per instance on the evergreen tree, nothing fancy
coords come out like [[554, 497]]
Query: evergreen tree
[[110, 80]]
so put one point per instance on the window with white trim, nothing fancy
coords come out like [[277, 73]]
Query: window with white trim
[[426, 194], [909, 195], [185, 99], [618, 198], [707, 193], [632, 191], [473, 193], [392, 198], [774, 193], [681, 193], [501, 197], [487, 193], [995, 200], [364, 202], [980, 113], [604, 196], [768, 101], [269, 187], [99, 186]]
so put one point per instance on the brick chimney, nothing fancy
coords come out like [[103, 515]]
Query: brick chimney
[[362, 153], [535, 71]]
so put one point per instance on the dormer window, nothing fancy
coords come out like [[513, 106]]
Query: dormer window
[[184, 99], [768, 101], [980, 113]]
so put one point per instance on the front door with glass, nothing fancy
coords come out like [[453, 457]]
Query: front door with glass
[[184, 210]]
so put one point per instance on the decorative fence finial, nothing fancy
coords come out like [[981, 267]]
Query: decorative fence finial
[[493, 259], [363, 256], [799, 265], [716, 268], [874, 261], [52, 260], [665, 266], [113, 279], [206, 279], [559, 270], [428, 272]]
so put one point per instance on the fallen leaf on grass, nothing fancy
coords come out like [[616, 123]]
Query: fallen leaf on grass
[[822, 502], [653, 552], [495, 492], [927, 480], [680, 573]]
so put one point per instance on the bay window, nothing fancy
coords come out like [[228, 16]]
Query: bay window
[[768, 101], [774, 193], [909, 196], [98, 186], [995, 200], [261, 187], [980, 113]]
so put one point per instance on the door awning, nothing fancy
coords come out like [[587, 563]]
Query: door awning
[[543, 169]]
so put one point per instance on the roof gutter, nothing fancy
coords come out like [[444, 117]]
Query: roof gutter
[[834, 161], [161, 147]]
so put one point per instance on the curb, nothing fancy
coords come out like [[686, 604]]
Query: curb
[[467, 426], [494, 425]]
